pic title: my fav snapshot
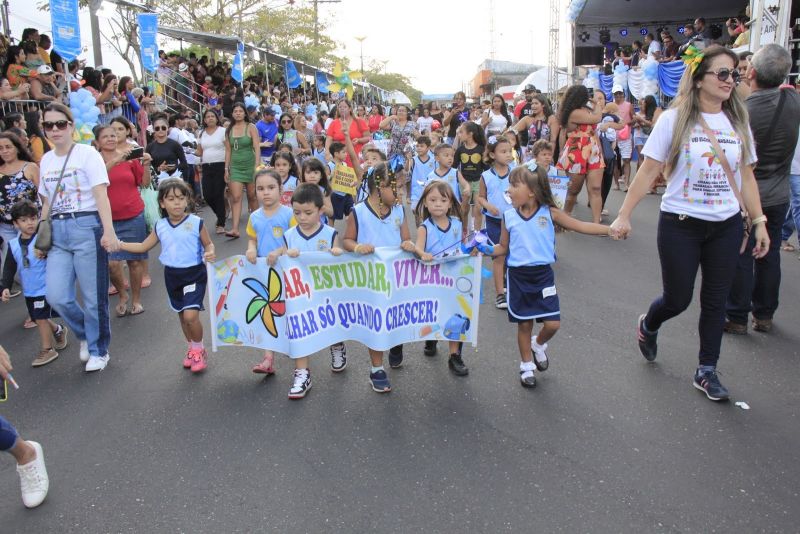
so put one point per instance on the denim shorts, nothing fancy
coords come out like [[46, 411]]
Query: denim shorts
[[133, 230]]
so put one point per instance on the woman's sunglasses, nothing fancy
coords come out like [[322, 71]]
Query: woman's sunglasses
[[723, 74], [61, 125], [286, 122], [160, 128]]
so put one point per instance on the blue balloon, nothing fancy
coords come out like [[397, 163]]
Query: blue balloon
[[651, 71]]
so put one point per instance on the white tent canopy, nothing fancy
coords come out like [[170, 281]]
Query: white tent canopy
[[541, 80], [398, 97]]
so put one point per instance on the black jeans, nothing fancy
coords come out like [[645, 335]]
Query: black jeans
[[684, 244], [758, 282], [214, 189]]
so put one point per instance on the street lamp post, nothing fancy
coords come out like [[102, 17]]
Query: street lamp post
[[361, 44]]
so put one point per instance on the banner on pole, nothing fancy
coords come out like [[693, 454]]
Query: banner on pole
[[237, 71], [66, 28], [148, 29], [293, 79], [322, 82], [305, 304]]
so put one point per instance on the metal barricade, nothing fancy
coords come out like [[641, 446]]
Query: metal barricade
[[20, 106]]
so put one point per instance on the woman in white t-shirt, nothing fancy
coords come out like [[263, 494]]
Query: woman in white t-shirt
[[495, 120], [82, 232], [211, 150], [700, 223]]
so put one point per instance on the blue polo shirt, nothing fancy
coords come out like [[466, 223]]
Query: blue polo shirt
[[267, 132]]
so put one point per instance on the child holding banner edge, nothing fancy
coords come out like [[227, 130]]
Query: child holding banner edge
[[265, 229], [438, 236], [310, 235], [527, 236], [379, 221]]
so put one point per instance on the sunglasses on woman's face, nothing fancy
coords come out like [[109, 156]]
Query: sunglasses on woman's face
[[61, 125], [286, 122], [723, 74], [160, 128]]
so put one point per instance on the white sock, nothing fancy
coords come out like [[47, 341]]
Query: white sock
[[376, 369], [526, 366]]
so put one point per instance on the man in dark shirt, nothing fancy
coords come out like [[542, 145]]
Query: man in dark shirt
[[454, 117], [774, 116]]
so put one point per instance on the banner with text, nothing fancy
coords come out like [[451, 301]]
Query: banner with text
[[148, 32], [66, 28], [305, 304]]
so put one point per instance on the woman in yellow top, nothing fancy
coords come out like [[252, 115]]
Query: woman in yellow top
[[38, 142]]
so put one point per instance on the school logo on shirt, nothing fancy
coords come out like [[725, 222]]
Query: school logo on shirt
[[397, 222], [322, 244], [277, 232], [542, 221]]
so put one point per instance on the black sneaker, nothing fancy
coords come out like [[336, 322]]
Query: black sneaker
[[708, 382], [540, 359], [648, 342], [527, 379], [301, 383], [457, 366], [500, 302], [396, 357], [430, 348]]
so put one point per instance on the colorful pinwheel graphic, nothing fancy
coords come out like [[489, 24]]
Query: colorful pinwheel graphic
[[343, 80], [267, 301], [712, 157]]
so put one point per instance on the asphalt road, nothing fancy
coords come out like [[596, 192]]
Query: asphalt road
[[605, 443]]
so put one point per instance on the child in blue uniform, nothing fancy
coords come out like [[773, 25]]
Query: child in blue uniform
[[445, 171], [286, 167], [494, 200], [185, 244], [265, 229], [422, 164], [438, 236], [21, 257], [315, 172], [310, 235], [527, 236], [379, 221]]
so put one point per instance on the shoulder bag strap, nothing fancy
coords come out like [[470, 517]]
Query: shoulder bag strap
[[58, 183], [723, 160]]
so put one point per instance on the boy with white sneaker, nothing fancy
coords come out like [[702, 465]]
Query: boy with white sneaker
[[32, 472]]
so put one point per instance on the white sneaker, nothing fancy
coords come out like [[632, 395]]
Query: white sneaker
[[33, 479], [84, 354], [97, 363]]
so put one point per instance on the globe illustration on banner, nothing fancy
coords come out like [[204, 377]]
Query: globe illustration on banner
[[228, 331]]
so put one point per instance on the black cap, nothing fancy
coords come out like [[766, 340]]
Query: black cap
[[530, 87], [268, 111]]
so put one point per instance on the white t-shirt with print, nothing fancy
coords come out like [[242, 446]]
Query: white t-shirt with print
[[85, 170], [698, 186]]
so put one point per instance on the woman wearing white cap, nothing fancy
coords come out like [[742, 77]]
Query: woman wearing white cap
[[42, 87]]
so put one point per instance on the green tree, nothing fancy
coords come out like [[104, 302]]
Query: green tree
[[392, 81]]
